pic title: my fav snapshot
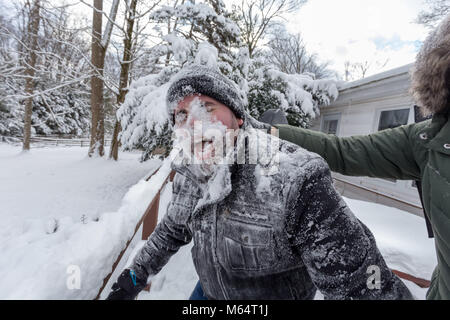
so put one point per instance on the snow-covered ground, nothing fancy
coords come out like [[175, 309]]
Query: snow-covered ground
[[60, 211]]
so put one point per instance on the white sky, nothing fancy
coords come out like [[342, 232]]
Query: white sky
[[361, 30], [353, 30]]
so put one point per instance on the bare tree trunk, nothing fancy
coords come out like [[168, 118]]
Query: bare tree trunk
[[99, 46], [33, 29], [115, 143], [124, 75], [98, 60]]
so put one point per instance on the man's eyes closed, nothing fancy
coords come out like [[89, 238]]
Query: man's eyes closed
[[180, 117], [209, 107]]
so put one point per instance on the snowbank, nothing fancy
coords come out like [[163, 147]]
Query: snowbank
[[62, 215]]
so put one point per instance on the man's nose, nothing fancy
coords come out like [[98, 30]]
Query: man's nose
[[192, 119]]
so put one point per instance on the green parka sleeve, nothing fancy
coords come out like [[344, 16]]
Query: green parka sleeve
[[385, 154]]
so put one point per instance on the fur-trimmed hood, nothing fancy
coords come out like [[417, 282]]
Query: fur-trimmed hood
[[431, 73]]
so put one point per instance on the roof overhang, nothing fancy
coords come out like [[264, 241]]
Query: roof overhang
[[390, 83]]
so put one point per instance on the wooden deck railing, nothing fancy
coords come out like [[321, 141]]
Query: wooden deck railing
[[148, 222], [58, 141], [419, 281], [82, 142]]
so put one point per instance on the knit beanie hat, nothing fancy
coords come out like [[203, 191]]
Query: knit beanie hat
[[199, 79]]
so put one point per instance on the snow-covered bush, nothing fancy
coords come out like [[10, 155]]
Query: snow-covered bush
[[201, 33], [204, 33], [61, 112], [298, 95], [143, 116], [11, 115], [62, 71]]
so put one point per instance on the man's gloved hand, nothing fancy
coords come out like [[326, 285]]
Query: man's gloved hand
[[127, 287]]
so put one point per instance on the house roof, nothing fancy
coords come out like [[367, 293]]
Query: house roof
[[390, 83], [377, 77]]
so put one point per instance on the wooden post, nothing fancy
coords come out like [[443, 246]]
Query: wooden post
[[172, 175], [150, 222], [151, 217]]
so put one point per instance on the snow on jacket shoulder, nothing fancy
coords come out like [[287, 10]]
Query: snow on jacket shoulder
[[278, 236]]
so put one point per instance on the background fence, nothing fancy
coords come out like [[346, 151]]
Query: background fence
[[54, 141]]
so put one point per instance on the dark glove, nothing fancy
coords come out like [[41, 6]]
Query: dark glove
[[127, 287]]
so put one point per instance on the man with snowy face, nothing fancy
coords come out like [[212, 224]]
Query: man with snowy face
[[261, 229], [209, 113]]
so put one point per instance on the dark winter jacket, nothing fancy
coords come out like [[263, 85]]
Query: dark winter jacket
[[274, 236], [413, 152]]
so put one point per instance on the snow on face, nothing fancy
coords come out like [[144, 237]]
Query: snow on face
[[198, 106], [203, 127]]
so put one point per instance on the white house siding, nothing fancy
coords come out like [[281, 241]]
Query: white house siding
[[358, 109]]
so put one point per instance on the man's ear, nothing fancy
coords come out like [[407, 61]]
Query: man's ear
[[240, 122]]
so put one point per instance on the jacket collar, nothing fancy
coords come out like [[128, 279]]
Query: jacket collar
[[436, 135]]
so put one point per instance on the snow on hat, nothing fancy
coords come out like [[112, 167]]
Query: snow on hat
[[199, 79]]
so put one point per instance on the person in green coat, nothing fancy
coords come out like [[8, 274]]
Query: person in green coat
[[419, 151]]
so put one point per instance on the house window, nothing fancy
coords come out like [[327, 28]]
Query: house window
[[393, 118], [330, 124]]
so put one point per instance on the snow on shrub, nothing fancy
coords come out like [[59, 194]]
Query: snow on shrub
[[144, 117], [207, 35], [298, 95]]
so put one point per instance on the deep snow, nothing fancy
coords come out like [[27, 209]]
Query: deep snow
[[60, 188]]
